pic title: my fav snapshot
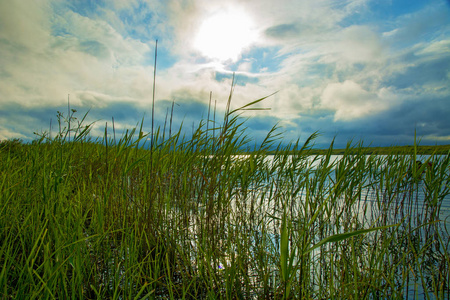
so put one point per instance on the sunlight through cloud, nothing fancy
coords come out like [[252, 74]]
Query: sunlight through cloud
[[225, 35]]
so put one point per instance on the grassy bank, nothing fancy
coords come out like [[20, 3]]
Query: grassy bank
[[405, 150], [107, 219]]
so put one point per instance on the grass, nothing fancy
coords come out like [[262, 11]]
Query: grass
[[86, 218]]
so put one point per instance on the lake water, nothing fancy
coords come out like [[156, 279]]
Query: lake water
[[383, 195], [370, 202], [371, 195]]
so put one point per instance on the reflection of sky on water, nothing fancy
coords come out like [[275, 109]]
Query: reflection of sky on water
[[369, 202], [256, 210], [371, 205], [368, 196]]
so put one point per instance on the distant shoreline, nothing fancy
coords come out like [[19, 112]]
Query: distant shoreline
[[421, 150], [399, 150]]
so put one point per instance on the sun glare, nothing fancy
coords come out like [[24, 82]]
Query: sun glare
[[224, 35]]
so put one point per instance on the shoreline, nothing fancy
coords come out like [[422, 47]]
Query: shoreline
[[406, 150]]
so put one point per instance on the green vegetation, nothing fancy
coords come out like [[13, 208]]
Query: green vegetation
[[189, 219], [406, 150]]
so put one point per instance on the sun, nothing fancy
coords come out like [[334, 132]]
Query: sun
[[225, 35]]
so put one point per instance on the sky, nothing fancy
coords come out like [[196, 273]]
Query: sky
[[376, 71]]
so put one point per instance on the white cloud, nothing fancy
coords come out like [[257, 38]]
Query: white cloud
[[246, 66], [350, 101], [358, 44], [436, 48], [311, 31], [6, 134], [437, 138], [85, 54], [24, 24]]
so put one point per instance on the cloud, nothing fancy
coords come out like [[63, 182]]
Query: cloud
[[358, 44], [425, 24], [283, 31], [74, 53], [433, 138], [345, 75], [350, 101], [335, 65], [18, 20]]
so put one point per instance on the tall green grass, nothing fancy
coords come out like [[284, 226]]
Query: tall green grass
[[199, 218]]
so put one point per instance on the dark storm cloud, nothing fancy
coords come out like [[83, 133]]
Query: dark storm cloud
[[422, 70], [423, 116], [16, 118]]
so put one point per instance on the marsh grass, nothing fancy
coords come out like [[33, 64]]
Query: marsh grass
[[199, 218]]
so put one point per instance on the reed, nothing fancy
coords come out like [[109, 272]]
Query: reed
[[199, 218]]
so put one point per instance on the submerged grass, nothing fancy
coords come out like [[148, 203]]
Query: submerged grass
[[193, 219]]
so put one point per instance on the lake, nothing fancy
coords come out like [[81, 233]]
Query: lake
[[354, 195]]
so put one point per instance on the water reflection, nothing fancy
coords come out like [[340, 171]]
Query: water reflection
[[350, 198]]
